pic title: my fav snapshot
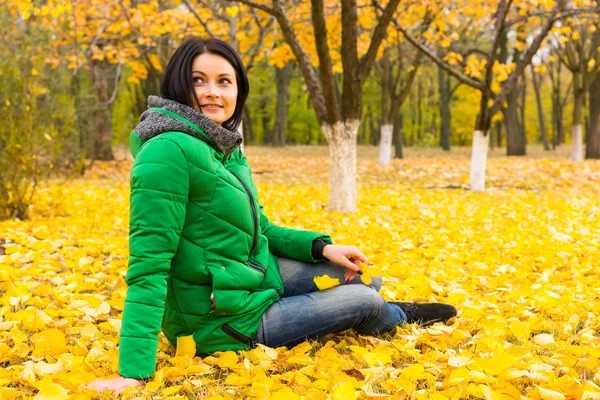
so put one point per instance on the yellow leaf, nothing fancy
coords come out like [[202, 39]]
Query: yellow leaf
[[232, 11], [325, 282], [493, 366], [548, 394], [186, 346], [285, 394], [42, 368], [271, 353], [171, 390], [50, 391], [543, 339], [50, 342], [480, 377], [227, 359], [344, 391], [366, 279], [413, 372]]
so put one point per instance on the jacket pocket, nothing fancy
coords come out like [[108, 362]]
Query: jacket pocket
[[250, 342]]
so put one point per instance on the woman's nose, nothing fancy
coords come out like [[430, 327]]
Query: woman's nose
[[212, 90]]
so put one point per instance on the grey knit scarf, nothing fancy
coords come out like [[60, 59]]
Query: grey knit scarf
[[153, 123]]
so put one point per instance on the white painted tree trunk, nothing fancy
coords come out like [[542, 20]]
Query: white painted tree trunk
[[478, 160], [341, 138], [385, 145], [577, 155]]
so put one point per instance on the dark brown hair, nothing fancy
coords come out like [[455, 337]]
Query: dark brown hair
[[177, 84]]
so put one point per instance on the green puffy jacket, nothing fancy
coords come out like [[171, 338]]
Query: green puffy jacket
[[196, 230]]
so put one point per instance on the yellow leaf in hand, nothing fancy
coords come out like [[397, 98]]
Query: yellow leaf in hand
[[366, 279], [326, 282]]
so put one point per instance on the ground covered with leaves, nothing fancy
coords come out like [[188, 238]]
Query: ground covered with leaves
[[520, 262]]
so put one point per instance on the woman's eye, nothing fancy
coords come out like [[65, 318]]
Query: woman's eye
[[224, 81], [197, 80]]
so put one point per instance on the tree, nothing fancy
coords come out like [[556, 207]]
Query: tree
[[396, 81], [592, 148], [37, 117], [538, 98], [338, 112], [445, 99], [577, 45], [495, 81]]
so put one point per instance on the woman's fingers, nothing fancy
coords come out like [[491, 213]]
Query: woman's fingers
[[349, 275], [347, 256]]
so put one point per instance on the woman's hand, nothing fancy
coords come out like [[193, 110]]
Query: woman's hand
[[346, 256], [116, 384]]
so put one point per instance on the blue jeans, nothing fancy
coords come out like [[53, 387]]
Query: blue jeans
[[304, 312]]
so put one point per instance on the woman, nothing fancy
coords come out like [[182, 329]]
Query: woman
[[204, 259]]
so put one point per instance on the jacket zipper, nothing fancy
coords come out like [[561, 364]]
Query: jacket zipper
[[254, 214], [256, 266], [238, 336]]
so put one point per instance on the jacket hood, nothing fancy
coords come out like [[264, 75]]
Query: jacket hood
[[165, 115]]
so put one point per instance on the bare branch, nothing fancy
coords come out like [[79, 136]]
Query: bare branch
[[258, 6], [117, 78], [378, 36], [215, 9], [202, 22], [89, 48], [433, 57], [308, 72], [325, 64], [522, 64], [126, 14], [254, 49], [566, 13]]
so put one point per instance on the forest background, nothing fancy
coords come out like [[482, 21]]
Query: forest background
[[76, 76]]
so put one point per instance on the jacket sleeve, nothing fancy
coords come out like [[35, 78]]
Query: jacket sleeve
[[291, 243], [159, 196]]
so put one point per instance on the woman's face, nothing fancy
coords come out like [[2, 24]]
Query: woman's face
[[215, 85]]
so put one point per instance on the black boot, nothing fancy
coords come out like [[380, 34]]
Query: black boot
[[426, 313]]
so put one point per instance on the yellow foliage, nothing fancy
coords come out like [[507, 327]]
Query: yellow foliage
[[519, 261]]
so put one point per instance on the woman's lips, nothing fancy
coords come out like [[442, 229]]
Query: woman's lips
[[211, 107]]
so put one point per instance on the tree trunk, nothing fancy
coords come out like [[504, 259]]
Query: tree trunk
[[498, 133], [478, 161], [385, 144], [419, 111], [522, 105], [283, 77], [102, 112], [385, 137], [538, 97], [514, 145], [374, 133], [397, 135], [592, 148], [341, 137], [579, 100], [444, 90]]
